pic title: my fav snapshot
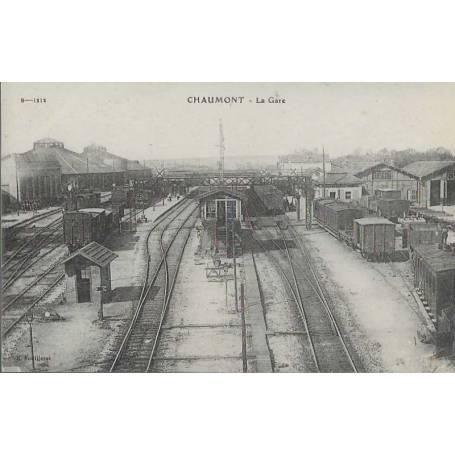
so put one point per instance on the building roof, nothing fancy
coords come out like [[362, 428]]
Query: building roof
[[96, 253], [340, 179], [373, 220], [437, 259], [423, 169], [355, 168], [92, 210], [227, 191]]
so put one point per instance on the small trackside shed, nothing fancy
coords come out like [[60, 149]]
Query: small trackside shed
[[88, 274], [375, 237], [434, 276]]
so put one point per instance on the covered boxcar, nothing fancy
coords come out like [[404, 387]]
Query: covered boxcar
[[393, 208], [337, 216], [434, 278], [417, 233], [265, 200], [375, 237], [387, 193], [80, 227], [82, 201]]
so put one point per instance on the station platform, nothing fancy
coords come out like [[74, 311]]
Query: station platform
[[153, 212]]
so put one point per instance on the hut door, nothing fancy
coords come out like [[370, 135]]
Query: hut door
[[435, 192], [221, 211], [83, 287]]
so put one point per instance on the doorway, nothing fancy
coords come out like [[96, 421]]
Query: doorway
[[83, 286]]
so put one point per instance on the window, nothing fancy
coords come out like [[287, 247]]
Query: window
[[332, 194], [85, 274], [451, 174], [382, 175], [347, 194], [210, 209], [412, 195], [231, 209]]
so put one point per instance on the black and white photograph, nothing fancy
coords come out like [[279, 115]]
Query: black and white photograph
[[228, 227]]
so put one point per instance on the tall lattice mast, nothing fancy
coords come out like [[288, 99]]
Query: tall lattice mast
[[222, 149]]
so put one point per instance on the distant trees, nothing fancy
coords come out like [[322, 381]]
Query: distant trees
[[397, 158]]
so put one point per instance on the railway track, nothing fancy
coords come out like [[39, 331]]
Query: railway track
[[33, 251], [141, 338], [325, 341]]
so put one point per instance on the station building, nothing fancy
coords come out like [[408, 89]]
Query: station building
[[339, 185]]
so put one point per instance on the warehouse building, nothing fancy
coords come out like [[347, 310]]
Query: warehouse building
[[47, 172], [375, 176], [435, 181]]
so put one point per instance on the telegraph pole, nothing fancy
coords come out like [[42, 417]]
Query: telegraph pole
[[235, 267], [17, 184]]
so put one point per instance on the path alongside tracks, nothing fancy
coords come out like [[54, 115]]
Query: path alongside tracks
[[139, 342], [324, 338]]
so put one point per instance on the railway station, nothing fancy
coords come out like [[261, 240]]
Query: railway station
[[247, 270]]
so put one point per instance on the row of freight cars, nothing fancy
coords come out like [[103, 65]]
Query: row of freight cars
[[87, 218], [373, 236], [433, 264], [386, 203]]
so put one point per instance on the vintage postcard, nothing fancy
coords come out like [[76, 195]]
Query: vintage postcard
[[228, 227]]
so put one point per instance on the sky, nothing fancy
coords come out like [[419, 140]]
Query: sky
[[156, 121]]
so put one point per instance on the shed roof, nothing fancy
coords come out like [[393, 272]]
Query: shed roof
[[438, 260], [373, 220], [340, 179], [226, 191], [96, 253], [424, 169]]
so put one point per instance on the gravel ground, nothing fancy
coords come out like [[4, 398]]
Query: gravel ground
[[375, 309], [201, 330], [290, 351], [80, 342]]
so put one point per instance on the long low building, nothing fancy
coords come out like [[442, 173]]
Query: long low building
[[49, 170]]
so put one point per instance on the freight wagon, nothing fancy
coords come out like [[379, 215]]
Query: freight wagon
[[418, 233], [338, 217], [385, 204], [375, 238], [80, 227], [387, 193], [265, 200], [393, 208], [82, 201], [434, 279]]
